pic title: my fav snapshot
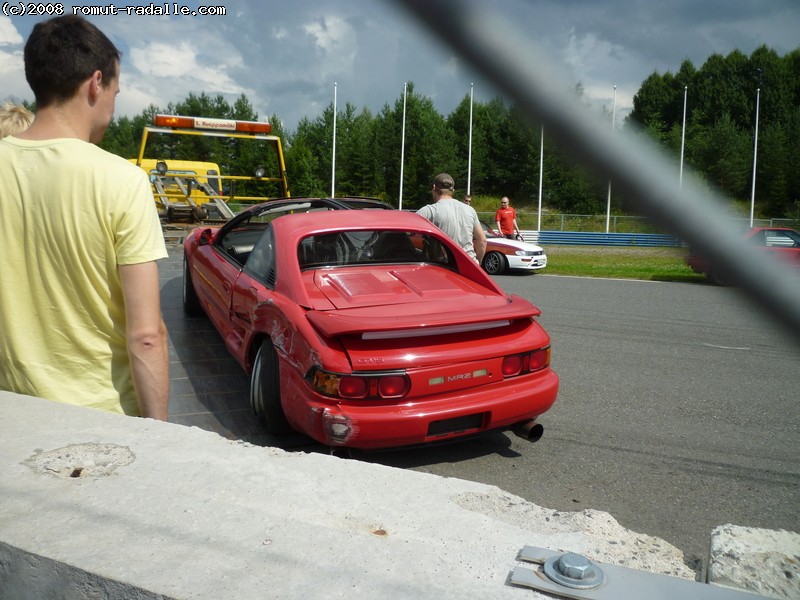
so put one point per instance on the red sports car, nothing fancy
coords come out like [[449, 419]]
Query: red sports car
[[781, 242], [368, 329]]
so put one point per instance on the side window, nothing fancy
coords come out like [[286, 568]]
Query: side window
[[433, 251], [237, 243], [760, 238], [261, 262], [781, 239]]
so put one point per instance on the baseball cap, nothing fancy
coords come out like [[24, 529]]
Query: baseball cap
[[443, 181]]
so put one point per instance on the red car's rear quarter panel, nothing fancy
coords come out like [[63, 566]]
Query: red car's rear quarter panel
[[296, 339]]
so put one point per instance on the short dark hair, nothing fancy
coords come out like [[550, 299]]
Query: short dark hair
[[62, 53]]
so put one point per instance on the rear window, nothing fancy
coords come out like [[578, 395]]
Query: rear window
[[372, 247]]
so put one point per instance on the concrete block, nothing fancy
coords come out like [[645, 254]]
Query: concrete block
[[95, 505], [762, 561]]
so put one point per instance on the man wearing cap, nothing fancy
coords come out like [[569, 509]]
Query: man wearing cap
[[457, 219]]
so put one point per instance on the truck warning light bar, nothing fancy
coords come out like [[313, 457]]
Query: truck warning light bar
[[179, 122]]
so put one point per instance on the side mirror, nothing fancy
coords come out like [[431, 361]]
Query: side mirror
[[206, 237]]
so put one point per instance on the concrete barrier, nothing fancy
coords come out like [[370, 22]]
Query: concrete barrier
[[95, 505]]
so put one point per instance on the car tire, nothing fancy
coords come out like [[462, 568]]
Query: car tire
[[265, 390], [191, 303], [495, 263], [720, 277]]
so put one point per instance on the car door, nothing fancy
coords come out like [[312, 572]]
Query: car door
[[784, 244], [254, 285], [214, 282]]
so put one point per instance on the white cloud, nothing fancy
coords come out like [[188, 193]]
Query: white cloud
[[337, 46], [183, 60], [331, 33], [589, 54], [8, 33], [164, 60], [599, 65], [12, 70]]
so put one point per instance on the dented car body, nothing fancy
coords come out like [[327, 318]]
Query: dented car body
[[368, 329]]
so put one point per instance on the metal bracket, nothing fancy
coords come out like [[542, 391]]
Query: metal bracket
[[570, 575]]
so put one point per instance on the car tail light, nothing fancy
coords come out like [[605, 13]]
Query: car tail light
[[539, 359], [512, 365], [529, 362], [353, 387], [393, 386], [382, 386]]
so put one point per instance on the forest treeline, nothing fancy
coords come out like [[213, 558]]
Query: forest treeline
[[720, 99]]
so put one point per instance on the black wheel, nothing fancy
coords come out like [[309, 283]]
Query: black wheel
[[265, 390], [494, 263], [720, 277], [191, 303]]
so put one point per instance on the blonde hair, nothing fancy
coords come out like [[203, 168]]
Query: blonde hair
[[14, 119]]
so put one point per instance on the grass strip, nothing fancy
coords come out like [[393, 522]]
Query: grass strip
[[656, 264]]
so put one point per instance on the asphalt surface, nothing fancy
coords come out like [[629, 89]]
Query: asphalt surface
[[677, 410]]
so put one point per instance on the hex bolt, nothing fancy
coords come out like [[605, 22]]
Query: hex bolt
[[575, 566], [574, 570]]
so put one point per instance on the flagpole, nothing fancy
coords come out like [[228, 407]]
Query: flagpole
[[613, 117], [683, 134], [403, 145], [541, 172], [333, 158], [755, 153], [469, 154]]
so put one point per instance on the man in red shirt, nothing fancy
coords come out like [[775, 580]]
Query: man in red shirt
[[506, 218]]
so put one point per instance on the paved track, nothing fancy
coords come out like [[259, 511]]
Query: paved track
[[678, 409]]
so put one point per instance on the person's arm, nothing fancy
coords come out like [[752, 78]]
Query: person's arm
[[146, 336], [516, 227], [478, 240], [425, 212]]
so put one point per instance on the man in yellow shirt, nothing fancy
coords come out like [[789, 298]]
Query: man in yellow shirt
[[80, 315]]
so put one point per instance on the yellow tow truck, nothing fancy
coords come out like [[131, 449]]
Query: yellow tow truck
[[193, 176]]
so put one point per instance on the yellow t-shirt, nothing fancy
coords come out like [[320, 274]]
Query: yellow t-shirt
[[70, 213]]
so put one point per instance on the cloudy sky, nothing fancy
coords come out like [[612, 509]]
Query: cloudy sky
[[286, 56]]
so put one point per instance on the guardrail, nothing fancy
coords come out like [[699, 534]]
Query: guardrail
[[577, 238]]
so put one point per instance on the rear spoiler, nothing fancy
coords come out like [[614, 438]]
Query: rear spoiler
[[408, 321]]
